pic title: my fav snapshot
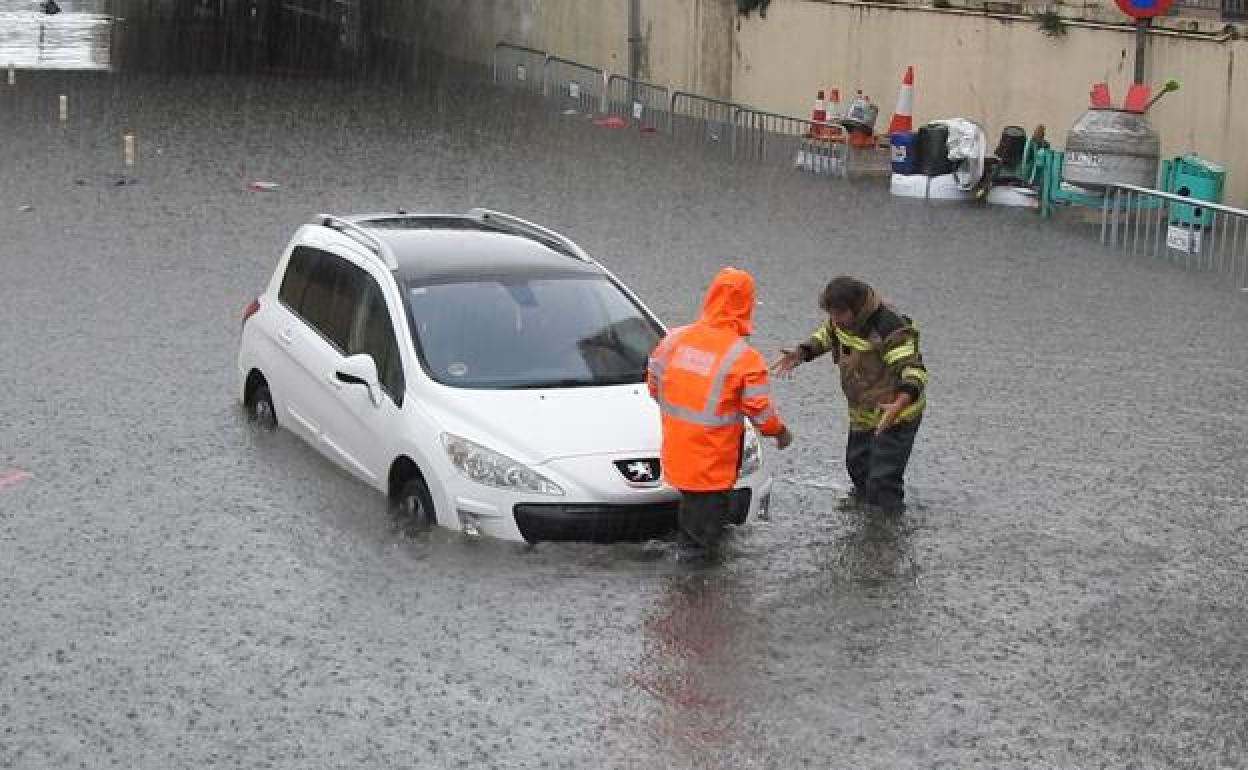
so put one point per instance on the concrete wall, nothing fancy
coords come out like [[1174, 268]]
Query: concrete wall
[[594, 33], [688, 45], [685, 43]]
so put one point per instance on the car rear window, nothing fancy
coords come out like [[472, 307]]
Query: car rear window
[[334, 290], [298, 270], [346, 305]]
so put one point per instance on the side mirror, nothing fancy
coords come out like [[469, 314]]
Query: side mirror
[[361, 370]]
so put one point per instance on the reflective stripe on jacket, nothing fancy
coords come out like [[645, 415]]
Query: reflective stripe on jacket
[[706, 380], [877, 360]]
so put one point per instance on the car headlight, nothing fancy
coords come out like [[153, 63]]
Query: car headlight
[[485, 466], [751, 452]]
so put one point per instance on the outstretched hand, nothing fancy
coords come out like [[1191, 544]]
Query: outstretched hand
[[784, 439], [786, 363]]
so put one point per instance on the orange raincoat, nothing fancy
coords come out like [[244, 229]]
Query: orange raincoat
[[707, 380]]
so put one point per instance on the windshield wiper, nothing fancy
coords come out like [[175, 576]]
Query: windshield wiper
[[581, 382]]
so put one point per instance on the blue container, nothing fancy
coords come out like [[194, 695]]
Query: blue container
[[905, 155]]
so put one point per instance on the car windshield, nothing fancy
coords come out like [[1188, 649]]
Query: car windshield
[[531, 333]]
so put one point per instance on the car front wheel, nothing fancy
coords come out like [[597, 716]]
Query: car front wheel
[[413, 506]]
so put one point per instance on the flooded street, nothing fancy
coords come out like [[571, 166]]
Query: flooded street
[[1066, 590]]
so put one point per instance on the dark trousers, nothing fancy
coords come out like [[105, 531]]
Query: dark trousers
[[703, 516], [877, 463]]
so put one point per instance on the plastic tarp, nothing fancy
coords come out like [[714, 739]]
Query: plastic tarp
[[967, 147]]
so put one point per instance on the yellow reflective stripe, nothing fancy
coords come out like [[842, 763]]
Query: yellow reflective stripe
[[852, 341], [905, 350], [821, 336], [914, 373], [865, 416], [862, 417]]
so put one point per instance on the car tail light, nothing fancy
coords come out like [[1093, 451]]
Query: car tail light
[[251, 309]]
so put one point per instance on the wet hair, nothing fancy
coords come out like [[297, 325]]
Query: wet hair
[[843, 293]]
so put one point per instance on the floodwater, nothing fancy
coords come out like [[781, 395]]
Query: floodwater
[[1066, 590]]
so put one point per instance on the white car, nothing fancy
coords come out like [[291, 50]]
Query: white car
[[481, 371]]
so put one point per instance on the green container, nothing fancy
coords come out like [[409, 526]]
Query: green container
[[1195, 177]]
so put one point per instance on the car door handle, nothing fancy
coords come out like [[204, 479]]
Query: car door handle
[[287, 336]]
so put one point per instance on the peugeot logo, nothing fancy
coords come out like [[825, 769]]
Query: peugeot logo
[[640, 473]]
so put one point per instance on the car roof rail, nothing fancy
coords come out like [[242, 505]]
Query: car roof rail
[[362, 236], [524, 227]]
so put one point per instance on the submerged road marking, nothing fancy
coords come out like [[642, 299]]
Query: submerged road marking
[[12, 478]]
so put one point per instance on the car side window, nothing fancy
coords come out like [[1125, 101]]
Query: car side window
[[335, 290], [372, 333], [298, 270]]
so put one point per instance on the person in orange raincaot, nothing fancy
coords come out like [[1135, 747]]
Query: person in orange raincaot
[[707, 380]]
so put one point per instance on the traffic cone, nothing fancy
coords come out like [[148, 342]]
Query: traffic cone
[[818, 114], [903, 119], [834, 130], [834, 103]]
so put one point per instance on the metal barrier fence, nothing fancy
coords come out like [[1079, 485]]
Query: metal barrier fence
[[817, 147], [877, 159], [644, 103], [574, 86], [520, 67], [703, 120], [720, 127], [1197, 234]]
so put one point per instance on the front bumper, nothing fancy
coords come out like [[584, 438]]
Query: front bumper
[[599, 523], [587, 514]]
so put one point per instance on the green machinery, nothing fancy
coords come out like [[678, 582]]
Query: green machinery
[[1040, 168], [1045, 175]]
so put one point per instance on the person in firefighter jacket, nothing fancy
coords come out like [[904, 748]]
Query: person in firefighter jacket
[[882, 373], [707, 380]]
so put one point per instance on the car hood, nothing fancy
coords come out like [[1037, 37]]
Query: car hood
[[538, 426]]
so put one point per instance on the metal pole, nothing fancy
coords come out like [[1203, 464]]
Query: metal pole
[[1105, 212], [634, 48], [1141, 39]]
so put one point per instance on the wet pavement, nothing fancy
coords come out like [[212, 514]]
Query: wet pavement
[[1067, 589]]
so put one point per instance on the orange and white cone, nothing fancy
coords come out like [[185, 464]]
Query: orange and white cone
[[834, 103], [903, 118], [818, 114], [832, 130]]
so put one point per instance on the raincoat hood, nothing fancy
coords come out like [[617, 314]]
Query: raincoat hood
[[729, 301]]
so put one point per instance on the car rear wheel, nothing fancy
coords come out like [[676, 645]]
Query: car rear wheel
[[413, 506], [260, 407]]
